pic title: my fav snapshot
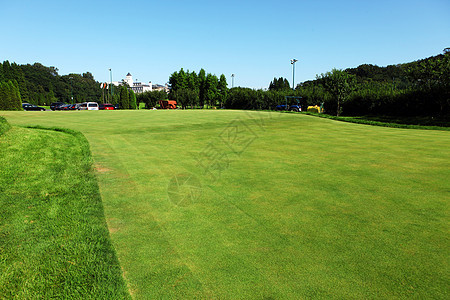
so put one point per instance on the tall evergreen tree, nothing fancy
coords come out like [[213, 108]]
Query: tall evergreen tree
[[202, 87], [10, 96], [124, 101], [17, 101], [222, 90], [279, 84], [211, 89], [3, 96], [132, 97]]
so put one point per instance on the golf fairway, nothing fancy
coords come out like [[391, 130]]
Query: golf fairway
[[259, 205]]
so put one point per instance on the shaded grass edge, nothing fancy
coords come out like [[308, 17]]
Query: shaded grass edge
[[54, 240]]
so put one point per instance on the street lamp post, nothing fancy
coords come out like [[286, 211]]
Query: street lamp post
[[293, 61], [71, 89], [110, 85], [232, 80]]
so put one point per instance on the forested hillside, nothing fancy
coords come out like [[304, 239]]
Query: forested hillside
[[419, 88], [43, 85]]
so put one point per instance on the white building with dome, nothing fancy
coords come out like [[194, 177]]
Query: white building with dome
[[137, 87]]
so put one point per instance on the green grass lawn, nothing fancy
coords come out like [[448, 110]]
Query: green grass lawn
[[233, 204], [54, 241]]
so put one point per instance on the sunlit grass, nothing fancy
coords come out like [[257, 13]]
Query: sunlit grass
[[54, 241], [233, 204]]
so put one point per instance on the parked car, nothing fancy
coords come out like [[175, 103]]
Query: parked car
[[73, 107], [28, 106], [64, 107], [56, 105], [106, 106], [89, 106]]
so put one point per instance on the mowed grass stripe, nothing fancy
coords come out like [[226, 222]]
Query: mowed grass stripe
[[54, 241], [151, 263], [189, 242], [311, 208]]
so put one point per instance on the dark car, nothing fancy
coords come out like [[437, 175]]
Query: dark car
[[106, 106], [73, 107], [28, 106], [56, 105], [67, 107]]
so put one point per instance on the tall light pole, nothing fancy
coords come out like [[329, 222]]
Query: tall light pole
[[71, 89], [293, 61], [232, 80], [110, 85]]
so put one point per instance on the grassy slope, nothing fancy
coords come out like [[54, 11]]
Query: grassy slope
[[54, 241], [311, 208]]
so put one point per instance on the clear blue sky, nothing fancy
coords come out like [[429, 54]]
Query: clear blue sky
[[255, 40]]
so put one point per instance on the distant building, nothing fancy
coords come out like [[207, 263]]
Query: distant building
[[158, 87], [139, 87]]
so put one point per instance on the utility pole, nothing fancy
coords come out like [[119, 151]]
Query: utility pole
[[71, 89], [110, 85], [232, 80], [293, 61]]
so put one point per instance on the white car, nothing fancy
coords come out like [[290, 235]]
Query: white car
[[88, 106]]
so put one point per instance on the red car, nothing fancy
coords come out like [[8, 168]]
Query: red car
[[106, 106]]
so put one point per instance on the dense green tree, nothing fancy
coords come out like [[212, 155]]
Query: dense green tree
[[41, 99], [432, 76], [340, 85], [132, 97], [186, 97], [88, 75], [222, 90], [211, 91], [10, 96], [17, 101], [192, 81], [124, 100], [51, 95], [151, 98], [37, 80], [178, 80], [4, 96], [279, 84], [202, 87]]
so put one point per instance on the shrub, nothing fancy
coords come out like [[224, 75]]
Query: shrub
[[4, 125]]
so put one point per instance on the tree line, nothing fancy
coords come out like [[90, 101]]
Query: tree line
[[121, 96], [419, 88], [198, 89], [191, 90], [41, 85]]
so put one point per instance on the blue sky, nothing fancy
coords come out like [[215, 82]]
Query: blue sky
[[255, 40]]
